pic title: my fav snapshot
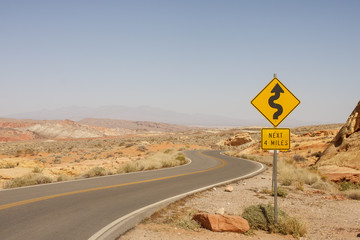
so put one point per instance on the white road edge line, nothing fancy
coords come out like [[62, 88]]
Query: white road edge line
[[125, 223]]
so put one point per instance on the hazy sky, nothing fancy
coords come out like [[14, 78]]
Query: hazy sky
[[195, 56]]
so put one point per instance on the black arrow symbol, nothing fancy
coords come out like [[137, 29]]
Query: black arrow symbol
[[277, 90]]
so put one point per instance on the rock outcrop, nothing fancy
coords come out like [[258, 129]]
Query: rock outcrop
[[222, 223], [344, 150], [238, 139]]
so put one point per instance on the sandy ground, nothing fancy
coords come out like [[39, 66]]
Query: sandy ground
[[327, 215]]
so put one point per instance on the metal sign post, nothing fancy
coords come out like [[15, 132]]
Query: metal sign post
[[275, 102], [275, 186]]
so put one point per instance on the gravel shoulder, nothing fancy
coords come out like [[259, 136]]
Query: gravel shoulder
[[327, 215]]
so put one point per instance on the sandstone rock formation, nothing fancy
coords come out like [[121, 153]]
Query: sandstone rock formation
[[238, 139], [222, 223], [344, 150]]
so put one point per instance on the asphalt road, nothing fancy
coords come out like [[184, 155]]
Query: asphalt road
[[79, 209]]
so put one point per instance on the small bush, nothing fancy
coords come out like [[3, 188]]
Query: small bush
[[129, 145], [181, 159], [261, 217], [154, 161], [8, 165], [168, 150], [167, 163], [184, 220], [344, 186], [142, 148], [281, 192], [37, 170], [57, 161], [290, 174], [352, 194], [95, 172], [128, 167], [287, 181], [42, 160], [62, 178], [299, 158]]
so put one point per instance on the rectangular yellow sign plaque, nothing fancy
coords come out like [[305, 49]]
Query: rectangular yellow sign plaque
[[275, 138]]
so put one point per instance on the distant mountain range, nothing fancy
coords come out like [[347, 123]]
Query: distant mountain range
[[143, 113]]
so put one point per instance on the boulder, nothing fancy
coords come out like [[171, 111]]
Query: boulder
[[220, 211], [222, 223], [229, 188], [238, 139]]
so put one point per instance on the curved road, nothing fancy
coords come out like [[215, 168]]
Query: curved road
[[79, 209]]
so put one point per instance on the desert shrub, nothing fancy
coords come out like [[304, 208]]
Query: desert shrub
[[42, 160], [169, 150], [128, 167], [37, 170], [62, 177], [265, 191], [287, 181], [323, 185], [261, 217], [309, 177], [95, 172], [185, 221], [352, 194], [57, 160], [142, 148], [128, 145], [344, 186], [167, 163], [27, 180], [281, 192], [154, 161], [181, 158], [290, 174], [299, 158], [7, 165], [41, 179], [299, 186]]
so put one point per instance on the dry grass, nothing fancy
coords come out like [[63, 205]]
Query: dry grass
[[352, 194], [27, 180], [7, 165], [290, 174], [155, 161], [95, 172], [262, 159]]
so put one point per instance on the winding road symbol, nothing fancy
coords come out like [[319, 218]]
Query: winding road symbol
[[275, 102], [277, 90]]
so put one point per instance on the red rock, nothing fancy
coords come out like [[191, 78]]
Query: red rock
[[222, 223], [238, 139]]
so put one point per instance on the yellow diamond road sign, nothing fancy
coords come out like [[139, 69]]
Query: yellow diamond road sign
[[275, 102]]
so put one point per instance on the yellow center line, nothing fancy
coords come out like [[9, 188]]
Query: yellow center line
[[10, 205]]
